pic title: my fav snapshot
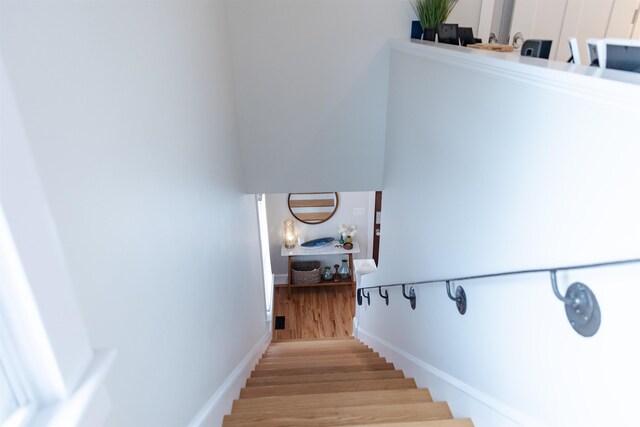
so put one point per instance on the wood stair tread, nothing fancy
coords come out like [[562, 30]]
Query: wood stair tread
[[292, 411], [454, 422], [333, 382], [344, 415], [327, 387], [322, 370], [333, 356], [321, 362], [355, 398], [319, 378], [316, 351]]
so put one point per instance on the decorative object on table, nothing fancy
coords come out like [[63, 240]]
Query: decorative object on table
[[536, 48], [416, 30], [492, 47], [430, 13], [303, 272], [313, 208], [448, 34], [318, 243], [465, 36], [344, 271], [336, 275], [346, 235], [290, 238], [518, 40], [327, 274]]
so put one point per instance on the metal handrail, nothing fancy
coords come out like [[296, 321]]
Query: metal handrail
[[510, 273], [581, 304]]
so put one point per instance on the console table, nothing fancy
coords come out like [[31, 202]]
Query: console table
[[334, 248]]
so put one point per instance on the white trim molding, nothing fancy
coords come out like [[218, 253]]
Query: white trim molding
[[219, 404], [464, 400], [600, 86]]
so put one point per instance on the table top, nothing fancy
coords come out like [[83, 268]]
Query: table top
[[330, 249]]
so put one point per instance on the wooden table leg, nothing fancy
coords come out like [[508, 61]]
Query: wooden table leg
[[289, 278]]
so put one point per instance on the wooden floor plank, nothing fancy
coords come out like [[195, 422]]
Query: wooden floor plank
[[321, 370], [314, 312], [319, 378], [312, 340], [327, 387], [344, 415], [357, 398]]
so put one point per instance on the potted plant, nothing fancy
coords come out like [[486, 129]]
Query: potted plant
[[430, 13]]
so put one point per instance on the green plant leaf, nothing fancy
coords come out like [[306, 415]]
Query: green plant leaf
[[430, 13]]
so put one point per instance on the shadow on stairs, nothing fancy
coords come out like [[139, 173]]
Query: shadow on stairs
[[333, 382]]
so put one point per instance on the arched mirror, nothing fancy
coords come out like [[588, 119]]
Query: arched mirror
[[313, 208]]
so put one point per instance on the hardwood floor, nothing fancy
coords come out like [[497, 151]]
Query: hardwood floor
[[321, 312]]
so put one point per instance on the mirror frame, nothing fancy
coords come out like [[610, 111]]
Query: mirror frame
[[335, 209]]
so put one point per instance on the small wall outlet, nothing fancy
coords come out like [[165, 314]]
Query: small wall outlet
[[358, 211]]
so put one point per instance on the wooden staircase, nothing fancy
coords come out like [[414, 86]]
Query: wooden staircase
[[333, 382]]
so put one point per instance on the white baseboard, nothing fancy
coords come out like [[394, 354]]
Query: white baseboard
[[464, 400], [280, 279], [220, 403]]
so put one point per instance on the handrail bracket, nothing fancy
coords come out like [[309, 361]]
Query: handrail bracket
[[581, 306], [460, 298], [411, 297]]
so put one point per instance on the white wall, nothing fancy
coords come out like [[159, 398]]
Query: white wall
[[517, 167], [278, 211], [311, 88], [129, 110]]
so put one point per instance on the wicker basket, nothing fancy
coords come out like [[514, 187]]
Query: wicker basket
[[305, 272]]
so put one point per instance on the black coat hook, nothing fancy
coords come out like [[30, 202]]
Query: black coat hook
[[385, 296], [411, 297]]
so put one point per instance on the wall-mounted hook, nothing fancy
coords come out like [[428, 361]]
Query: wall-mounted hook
[[460, 298], [411, 297], [385, 295], [581, 306]]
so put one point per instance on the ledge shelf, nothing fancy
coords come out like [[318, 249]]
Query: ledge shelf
[[332, 249]]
